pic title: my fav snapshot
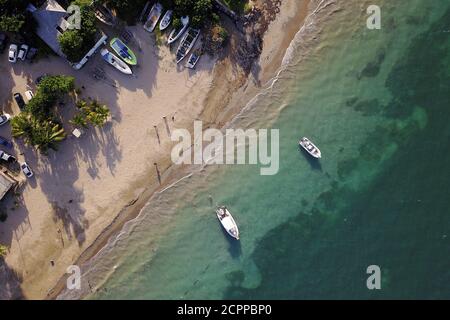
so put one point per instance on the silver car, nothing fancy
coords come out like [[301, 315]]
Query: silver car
[[26, 170], [12, 56]]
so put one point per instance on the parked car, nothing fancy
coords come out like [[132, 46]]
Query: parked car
[[3, 39], [31, 54], [26, 170], [5, 142], [40, 78], [22, 52], [7, 157], [4, 118], [12, 56], [29, 95], [19, 100]]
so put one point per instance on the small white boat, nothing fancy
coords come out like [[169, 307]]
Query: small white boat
[[176, 33], [153, 17], [306, 144], [186, 43], [166, 20], [193, 59], [115, 61], [227, 221]]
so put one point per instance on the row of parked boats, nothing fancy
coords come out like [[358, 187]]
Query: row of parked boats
[[189, 35]]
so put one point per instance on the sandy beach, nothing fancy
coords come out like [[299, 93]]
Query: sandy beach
[[83, 193]]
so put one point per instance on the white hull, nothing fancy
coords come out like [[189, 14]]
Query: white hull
[[174, 35], [187, 43], [153, 17], [227, 221], [310, 147], [192, 61], [166, 20], [115, 61]]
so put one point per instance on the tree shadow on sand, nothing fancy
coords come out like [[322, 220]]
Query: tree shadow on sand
[[10, 282]]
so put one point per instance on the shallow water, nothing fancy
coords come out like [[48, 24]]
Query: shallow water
[[376, 103]]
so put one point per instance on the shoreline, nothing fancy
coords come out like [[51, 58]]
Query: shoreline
[[133, 210]]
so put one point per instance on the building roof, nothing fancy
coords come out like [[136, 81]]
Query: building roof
[[6, 183], [51, 17]]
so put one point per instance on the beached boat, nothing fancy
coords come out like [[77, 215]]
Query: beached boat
[[153, 17], [166, 20], [105, 15], [186, 43], [227, 221], [193, 59], [306, 144], [123, 51], [115, 61], [176, 33]]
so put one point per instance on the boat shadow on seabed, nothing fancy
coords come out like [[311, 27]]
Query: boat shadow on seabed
[[234, 246], [314, 163]]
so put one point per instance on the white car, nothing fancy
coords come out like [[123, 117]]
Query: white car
[[23, 52], [26, 170], [29, 95], [7, 157], [12, 56], [4, 118]]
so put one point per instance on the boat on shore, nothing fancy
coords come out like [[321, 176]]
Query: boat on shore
[[193, 59], [166, 20], [176, 33], [105, 15], [227, 221], [310, 147], [125, 53], [153, 17], [115, 61], [187, 43]]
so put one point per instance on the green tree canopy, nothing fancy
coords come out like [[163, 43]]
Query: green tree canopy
[[50, 89], [42, 134], [76, 43], [13, 15]]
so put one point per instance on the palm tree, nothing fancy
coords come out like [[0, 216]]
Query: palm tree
[[43, 134], [98, 113], [21, 125], [3, 250]]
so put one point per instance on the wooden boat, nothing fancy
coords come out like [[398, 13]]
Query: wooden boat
[[176, 33], [306, 144], [125, 53], [115, 61], [186, 43], [166, 20], [227, 221], [153, 17], [105, 15], [193, 59]]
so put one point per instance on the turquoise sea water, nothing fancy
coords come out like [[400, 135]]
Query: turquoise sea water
[[377, 104]]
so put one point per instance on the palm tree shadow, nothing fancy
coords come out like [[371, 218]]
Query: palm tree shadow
[[313, 162]]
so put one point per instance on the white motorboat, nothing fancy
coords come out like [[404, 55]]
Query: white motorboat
[[176, 33], [227, 221], [115, 61], [166, 20], [310, 147], [187, 43], [153, 17]]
